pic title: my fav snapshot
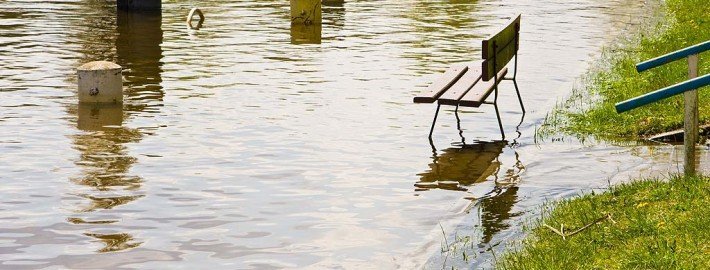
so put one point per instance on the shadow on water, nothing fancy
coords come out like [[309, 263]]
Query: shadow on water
[[104, 157], [334, 19], [139, 53]]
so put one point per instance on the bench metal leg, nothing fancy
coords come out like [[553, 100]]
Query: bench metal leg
[[500, 123], [517, 130], [431, 132], [433, 149], [458, 125], [495, 104], [519, 97]]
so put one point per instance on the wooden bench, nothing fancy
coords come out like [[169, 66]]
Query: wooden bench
[[470, 84]]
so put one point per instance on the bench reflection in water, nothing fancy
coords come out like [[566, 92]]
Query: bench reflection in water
[[108, 189], [495, 209], [458, 167]]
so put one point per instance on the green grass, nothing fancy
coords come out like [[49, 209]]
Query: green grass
[[658, 225], [686, 23], [647, 224]]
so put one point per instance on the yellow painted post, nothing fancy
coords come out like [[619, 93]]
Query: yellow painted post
[[690, 124], [306, 12]]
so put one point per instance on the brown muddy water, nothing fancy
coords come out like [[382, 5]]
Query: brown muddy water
[[251, 145]]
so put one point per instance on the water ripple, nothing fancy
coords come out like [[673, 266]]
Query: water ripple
[[252, 144]]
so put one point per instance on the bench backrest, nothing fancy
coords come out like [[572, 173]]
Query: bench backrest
[[500, 48]]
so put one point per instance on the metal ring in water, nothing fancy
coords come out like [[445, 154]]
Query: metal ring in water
[[192, 14]]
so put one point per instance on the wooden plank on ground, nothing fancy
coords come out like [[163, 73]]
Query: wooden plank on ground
[[676, 136], [469, 79], [479, 92], [439, 86]]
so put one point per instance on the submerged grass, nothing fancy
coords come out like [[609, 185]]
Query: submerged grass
[[654, 225], [686, 23]]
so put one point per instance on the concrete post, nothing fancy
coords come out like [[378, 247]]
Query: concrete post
[[139, 5], [100, 82], [306, 12], [690, 123]]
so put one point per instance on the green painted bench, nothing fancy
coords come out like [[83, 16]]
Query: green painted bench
[[470, 84]]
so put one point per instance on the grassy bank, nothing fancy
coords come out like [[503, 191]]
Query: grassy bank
[[648, 224], [686, 23], [651, 225]]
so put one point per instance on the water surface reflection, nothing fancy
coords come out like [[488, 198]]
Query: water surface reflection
[[496, 210], [138, 51], [237, 149], [458, 167], [105, 160]]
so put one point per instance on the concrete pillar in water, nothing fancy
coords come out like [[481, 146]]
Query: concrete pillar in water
[[139, 5], [100, 82], [306, 12]]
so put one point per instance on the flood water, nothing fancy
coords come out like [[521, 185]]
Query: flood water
[[250, 145]]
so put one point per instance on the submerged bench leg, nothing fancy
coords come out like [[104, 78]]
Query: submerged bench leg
[[517, 130], [458, 125], [434, 122], [518, 91], [495, 104], [500, 123]]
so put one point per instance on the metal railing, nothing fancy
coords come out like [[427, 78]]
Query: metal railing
[[687, 88]]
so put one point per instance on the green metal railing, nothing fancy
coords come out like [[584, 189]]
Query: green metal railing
[[687, 88]]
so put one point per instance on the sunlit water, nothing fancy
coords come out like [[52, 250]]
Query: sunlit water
[[248, 144]]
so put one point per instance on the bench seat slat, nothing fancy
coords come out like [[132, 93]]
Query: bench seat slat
[[479, 92], [459, 89], [436, 89]]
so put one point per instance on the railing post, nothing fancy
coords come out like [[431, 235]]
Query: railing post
[[690, 125]]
